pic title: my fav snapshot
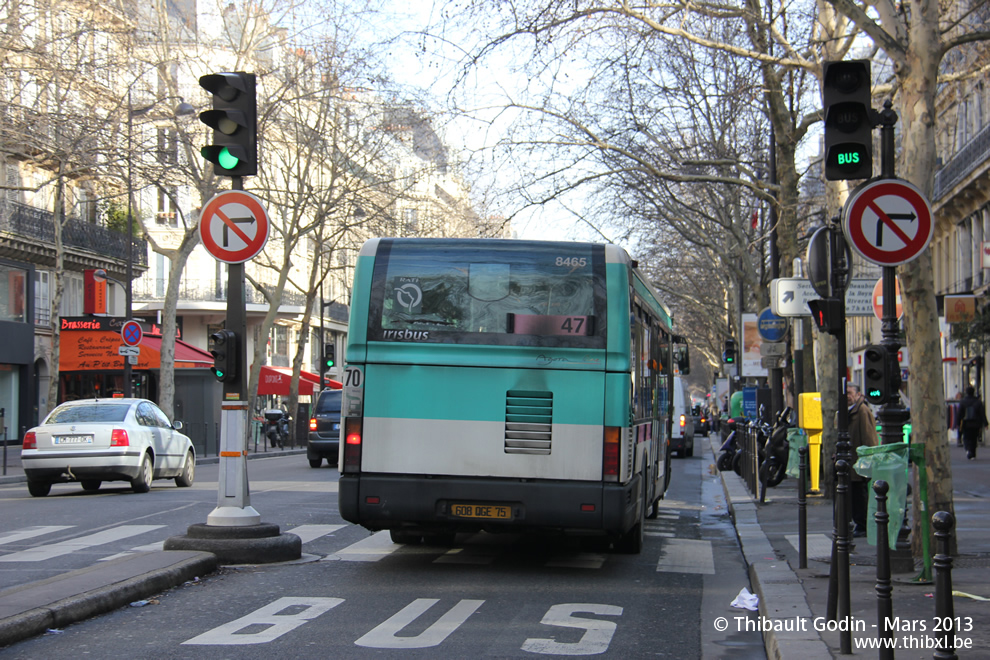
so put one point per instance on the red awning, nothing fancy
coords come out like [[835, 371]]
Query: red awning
[[277, 381], [187, 354]]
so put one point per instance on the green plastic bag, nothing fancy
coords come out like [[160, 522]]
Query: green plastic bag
[[887, 463], [796, 438]]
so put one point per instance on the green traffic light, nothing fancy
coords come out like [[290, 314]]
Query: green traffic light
[[227, 160]]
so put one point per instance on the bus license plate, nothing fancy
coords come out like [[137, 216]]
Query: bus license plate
[[483, 511]]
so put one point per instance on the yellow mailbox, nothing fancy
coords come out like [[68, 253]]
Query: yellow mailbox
[[810, 419]]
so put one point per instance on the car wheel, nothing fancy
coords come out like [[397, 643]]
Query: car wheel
[[142, 482], [188, 474], [91, 484], [39, 488], [315, 462]]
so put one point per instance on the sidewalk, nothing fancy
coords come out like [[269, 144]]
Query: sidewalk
[[794, 600]]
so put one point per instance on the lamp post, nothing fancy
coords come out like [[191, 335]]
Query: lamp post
[[181, 110]]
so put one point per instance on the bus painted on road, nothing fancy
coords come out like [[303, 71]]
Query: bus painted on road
[[505, 385]]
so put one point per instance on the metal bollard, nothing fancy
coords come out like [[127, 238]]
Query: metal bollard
[[943, 522], [842, 554], [885, 605], [802, 507]]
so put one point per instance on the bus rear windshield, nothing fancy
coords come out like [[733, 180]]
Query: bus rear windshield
[[489, 292]]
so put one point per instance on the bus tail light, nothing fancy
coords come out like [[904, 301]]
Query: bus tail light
[[119, 438], [30, 441], [610, 456], [352, 444]]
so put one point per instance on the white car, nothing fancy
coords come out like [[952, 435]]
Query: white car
[[97, 440]]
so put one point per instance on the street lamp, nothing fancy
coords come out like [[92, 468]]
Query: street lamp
[[181, 110]]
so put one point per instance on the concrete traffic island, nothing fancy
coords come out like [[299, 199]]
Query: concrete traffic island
[[245, 544]]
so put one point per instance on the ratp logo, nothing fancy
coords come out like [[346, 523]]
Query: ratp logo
[[409, 295]]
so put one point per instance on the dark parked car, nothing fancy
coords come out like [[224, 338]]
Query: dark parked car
[[324, 429]]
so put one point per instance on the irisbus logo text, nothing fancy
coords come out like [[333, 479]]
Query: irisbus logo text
[[406, 335]]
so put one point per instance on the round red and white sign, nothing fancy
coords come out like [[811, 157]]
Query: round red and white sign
[[234, 226], [877, 299], [888, 221]]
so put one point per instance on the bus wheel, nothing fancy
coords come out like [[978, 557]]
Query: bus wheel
[[631, 542], [408, 538]]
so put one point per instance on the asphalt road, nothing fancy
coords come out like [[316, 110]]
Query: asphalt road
[[355, 594]]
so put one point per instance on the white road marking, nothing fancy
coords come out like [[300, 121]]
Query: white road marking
[[30, 532], [44, 552]]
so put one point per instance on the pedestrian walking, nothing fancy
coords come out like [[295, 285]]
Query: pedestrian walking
[[862, 433], [972, 421]]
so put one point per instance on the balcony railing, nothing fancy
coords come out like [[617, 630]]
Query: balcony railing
[[38, 225], [206, 290], [972, 156]]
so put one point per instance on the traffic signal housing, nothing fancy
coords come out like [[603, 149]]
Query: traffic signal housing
[[223, 346], [234, 120], [876, 374], [828, 314], [729, 352], [329, 357], [849, 120]]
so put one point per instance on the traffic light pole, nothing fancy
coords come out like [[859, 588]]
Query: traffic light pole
[[233, 494]]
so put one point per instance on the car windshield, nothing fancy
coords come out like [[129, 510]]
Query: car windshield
[[95, 413], [328, 402]]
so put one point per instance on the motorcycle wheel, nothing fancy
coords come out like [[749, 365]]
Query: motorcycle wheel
[[737, 463], [724, 462], [772, 473]]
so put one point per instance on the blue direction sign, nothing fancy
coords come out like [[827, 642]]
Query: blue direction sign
[[770, 326]]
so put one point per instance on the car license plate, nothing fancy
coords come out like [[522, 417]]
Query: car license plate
[[482, 511], [73, 439]]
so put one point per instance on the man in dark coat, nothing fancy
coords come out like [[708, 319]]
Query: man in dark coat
[[972, 421], [862, 433]]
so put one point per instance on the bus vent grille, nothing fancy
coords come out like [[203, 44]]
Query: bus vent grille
[[528, 422]]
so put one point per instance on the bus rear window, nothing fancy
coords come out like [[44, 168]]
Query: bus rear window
[[489, 292]]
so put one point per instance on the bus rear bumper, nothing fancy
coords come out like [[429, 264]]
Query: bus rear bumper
[[385, 501]]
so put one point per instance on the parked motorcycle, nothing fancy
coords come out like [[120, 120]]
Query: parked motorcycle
[[776, 451], [730, 448], [277, 427]]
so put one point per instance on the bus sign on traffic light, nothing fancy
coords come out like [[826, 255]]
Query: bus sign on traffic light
[[223, 346], [876, 374], [849, 120], [234, 120]]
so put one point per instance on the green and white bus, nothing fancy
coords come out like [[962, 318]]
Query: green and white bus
[[505, 385]]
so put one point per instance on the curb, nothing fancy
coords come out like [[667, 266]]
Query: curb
[[782, 597], [173, 569]]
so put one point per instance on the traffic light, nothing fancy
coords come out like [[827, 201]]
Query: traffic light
[[234, 120], [847, 101], [224, 350], [729, 351], [828, 314], [876, 374], [328, 356]]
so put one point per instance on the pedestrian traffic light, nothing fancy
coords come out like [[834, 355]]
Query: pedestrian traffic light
[[729, 351], [849, 120], [876, 376], [224, 350], [234, 120], [328, 356], [828, 314]]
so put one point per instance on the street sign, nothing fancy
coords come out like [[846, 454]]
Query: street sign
[[129, 350], [234, 226], [773, 362], [773, 348], [770, 326], [130, 333], [877, 299], [789, 296], [888, 221]]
